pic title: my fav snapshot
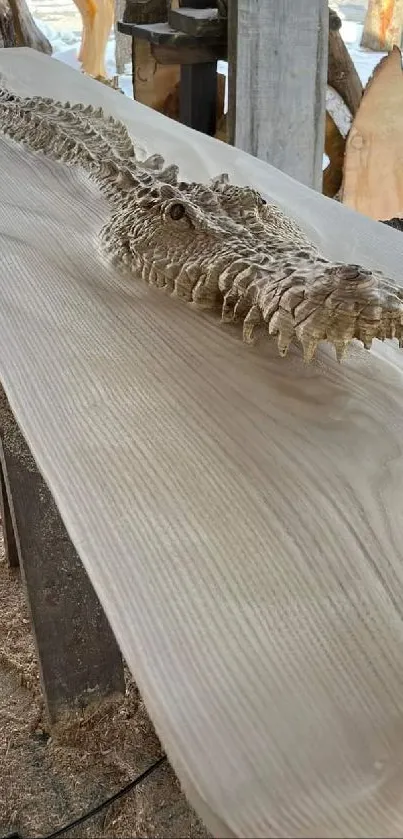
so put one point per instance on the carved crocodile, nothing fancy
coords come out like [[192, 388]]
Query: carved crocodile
[[215, 245]]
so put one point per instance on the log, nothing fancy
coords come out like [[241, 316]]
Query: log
[[338, 124], [18, 28], [342, 75], [383, 25], [334, 148], [373, 175], [344, 94]]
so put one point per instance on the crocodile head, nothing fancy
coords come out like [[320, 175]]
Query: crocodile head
[[212, 245], [223, 246]]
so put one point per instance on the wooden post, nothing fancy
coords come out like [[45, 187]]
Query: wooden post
[[198, 97], [79, 659], [277, 56]]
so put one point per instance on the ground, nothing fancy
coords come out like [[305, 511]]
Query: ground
[[48, 781]]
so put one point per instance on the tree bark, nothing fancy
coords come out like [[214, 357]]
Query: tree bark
[[383, 25], [342, 75], [18, 28], [7, 34], [343, 78]]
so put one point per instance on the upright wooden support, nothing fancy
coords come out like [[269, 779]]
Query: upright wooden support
[[198, 97], [78, 656], [277, 56]]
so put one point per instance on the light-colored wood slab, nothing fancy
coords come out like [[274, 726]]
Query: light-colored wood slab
[[373, 166], [239, 515]]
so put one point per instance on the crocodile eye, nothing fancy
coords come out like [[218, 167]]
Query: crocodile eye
[[177, 211]]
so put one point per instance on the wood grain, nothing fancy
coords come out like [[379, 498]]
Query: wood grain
[[373, 173], [280, 56], [239, 515]]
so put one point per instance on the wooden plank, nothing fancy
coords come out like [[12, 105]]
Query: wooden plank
[[188, 55], [198, 97], [278, 53], [10, 545], [78, 656], [200, 23], [162, 34]]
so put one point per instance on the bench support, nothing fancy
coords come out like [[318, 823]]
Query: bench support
[[198, 97], [79, 660]]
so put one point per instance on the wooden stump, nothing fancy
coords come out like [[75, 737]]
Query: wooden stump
[[18, 28]]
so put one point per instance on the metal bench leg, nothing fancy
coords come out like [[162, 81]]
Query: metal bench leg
[[78, 656], [198, 97]]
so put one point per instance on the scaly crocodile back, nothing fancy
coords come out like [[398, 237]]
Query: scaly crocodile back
[[81, 135], [217, 245]]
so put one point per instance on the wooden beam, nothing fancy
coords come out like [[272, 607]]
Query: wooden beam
[[79, 659], [277, 83], [187, 55]]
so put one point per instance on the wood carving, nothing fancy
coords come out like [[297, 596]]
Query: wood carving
[[373, 172], [216, 245], [98, 18], [383, 25]]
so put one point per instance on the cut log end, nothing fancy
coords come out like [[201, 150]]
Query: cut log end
[[373, 175]]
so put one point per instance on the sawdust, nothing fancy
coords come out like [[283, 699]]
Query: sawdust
[[49, 778]]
